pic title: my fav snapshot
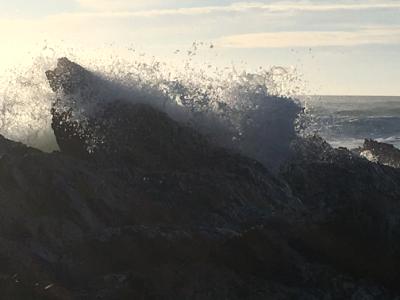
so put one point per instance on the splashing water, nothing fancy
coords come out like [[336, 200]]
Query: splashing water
[[249, 111], [25, 102]]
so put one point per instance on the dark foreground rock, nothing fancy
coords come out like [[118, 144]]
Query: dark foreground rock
[[159, 212], [354, 207]]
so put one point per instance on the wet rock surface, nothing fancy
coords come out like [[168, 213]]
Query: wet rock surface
[[382, 153], [156, 211]]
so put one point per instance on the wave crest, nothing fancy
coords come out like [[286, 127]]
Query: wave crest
[[248, 111]]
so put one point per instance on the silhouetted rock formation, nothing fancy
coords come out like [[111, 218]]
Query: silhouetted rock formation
[[85, 120], [156, 211]]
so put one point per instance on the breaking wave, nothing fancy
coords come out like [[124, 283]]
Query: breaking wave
[[253, 112]]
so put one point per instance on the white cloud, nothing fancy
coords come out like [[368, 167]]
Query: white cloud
[[307, 6], [389, 35], [149, 7], [118, 5], [138, 25]]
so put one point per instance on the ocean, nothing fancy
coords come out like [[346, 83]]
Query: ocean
[[347, 120]]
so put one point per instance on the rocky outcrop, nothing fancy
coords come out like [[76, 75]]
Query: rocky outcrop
[[354, 208], [156, 211], [71, 229], [87, 118], [88, 229], [382, 153], [122, 131]]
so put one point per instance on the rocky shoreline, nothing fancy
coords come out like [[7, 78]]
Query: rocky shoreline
[[157, 211]]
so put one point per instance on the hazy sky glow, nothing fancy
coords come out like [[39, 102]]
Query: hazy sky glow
[[341, 47]]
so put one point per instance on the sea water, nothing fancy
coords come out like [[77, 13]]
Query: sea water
[[345, 121]]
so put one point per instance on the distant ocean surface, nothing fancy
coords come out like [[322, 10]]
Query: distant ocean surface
[[347, 120]]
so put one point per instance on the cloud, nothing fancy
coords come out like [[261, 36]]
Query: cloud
[[296, 6], [389, 35], [157, 7], [120, 5], [235, 25]]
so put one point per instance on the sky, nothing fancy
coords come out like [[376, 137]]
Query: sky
[[339, 47]]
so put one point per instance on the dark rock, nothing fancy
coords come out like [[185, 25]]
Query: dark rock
[[130, 132], [69, 77], [382, 153], [76, 95], [354, 209]]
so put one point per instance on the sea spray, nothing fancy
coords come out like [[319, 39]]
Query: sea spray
[[252, 112]]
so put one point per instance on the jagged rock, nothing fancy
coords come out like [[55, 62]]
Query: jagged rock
[[70, 77], [72, 112], [132, 133], [382, 153]]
